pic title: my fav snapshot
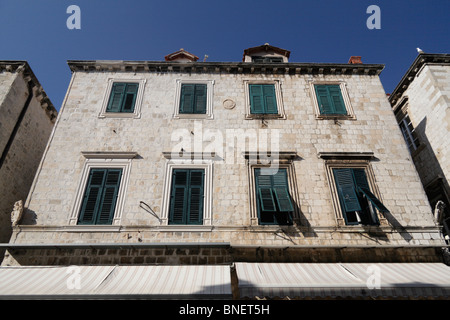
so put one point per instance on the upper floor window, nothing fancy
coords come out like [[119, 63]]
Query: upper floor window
[[357, 202], [266, 59], [273, 199], [193, 99], [331, 100], [123, 99], [264, 99], [409, 133]]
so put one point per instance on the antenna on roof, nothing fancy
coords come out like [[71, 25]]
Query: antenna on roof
[[206, 57]]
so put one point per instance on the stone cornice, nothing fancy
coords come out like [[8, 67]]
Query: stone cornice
[[224, 67], [18, 66]]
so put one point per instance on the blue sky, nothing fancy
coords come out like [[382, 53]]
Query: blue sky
[[313, 30]]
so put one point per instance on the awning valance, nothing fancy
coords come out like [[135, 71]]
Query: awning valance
[[341, 280], [115, 282]]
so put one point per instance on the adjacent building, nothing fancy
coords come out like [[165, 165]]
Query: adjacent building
[[27, 117], [192, 179], [421, 103]]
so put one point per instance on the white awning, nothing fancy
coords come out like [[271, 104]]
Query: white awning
[[331, 280], [115, 282]]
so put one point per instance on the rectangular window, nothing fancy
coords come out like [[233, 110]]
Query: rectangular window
[[357, 202], [263, 99], [329, 99], [123, 97], [193, 99], [409, 133], [273, 199], [187, 196], [100, 196], [265, 59]]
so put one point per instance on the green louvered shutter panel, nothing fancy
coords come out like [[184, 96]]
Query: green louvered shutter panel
[[130, 97], [337, 100], [200, 99], [109, 196], [346, 189], [281, 191], [187, 98], [323, 99], [116, 97], [196, 197], [256, 99], [178, 197], [270, 100], [92, 196], [264, 191], [363, 186]]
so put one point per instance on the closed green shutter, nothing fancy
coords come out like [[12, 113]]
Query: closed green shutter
[[193, 98], [256, 99], [100, 196], [346, 189], [263, 99], [187, 197], [122, 97], [329, 98]]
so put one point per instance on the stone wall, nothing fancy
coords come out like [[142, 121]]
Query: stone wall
[[79, 128]]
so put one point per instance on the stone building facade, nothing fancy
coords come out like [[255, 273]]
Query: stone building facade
[[213, 163], [26, 121], [421, 103]]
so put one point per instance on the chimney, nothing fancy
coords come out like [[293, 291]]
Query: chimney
[[355, 60]]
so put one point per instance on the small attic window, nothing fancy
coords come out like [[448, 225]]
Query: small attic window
[[266, 59]]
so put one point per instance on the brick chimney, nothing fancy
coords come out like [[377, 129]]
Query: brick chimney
[[355, 60]]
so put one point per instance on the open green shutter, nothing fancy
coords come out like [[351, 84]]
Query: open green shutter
[[363, 186], [270, 99], [109, 196], [256, 99], [337, 100], [92, 196], [196, 197], [346, 189], [371, 197], [281, 191], [116, 97], [130, 97], [264, 191], [200, 99], [187, 98]]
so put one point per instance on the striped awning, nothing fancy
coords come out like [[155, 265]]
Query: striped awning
[[341, 280], [115, 282]]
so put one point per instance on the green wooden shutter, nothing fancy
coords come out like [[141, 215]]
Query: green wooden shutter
[[256, 99], [109, 197], [323, 99], [92, 196], [337, 100], [187, 98], [363, 187], [346, 189], [196, 197], [281, 191], [264, 191], [178, 197], [115, 99], [100, 196], [130, 97], [187, 197], [270, 99], [200, 99]]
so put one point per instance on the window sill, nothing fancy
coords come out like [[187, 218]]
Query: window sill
[[335, 117], [194, 116], [265, 117], [120, 115], [185, 228]]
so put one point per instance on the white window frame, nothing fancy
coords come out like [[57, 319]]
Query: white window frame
[[279, 98], [345, 96], [209, 100], [137, 104], [111, 160], [205, 164]]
